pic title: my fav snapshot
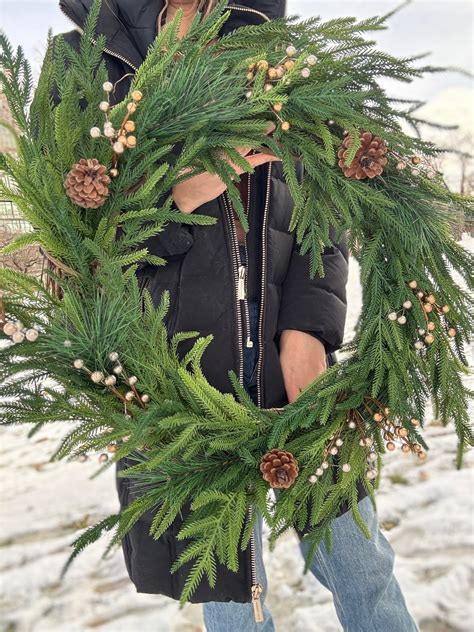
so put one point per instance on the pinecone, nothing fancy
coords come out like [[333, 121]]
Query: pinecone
[[86, 183], [369, 160], [279, 468]]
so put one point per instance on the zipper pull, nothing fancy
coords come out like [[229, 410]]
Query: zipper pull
[[241, 286], [257, 604], [249, 342]]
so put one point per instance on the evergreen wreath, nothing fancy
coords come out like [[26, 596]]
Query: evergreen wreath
[[81, 355]]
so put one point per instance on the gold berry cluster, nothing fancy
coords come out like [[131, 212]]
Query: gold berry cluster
[[428, 304], [332, 449], [103, 457], [418, 165], [276, 73], [392, 428], [111, 381], [15, 329], [392, 431], [355, 421], [124, 137], [127, 396]]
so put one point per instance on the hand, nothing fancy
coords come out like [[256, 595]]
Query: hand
[[302, 360], [204, 187]]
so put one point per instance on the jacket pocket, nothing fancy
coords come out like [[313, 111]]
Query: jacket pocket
[[147, 560]]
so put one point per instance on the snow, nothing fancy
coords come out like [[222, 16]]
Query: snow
[[425, 510]]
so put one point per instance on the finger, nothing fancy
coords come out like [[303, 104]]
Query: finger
[[263, 149], [255, 160], [271, 128], [184, 171], [243, 151], [260, 159]]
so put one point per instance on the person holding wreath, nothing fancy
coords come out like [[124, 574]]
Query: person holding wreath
[[273, 325]]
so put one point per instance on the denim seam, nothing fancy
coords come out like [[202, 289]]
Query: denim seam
[[376, 606], [327, 569]]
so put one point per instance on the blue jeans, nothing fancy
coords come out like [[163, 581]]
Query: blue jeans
[[358, 572]]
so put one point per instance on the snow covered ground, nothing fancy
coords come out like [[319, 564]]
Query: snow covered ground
[[426, 510]]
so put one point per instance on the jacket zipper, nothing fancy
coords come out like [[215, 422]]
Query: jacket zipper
[[237, 282], [242, 294], [243, 276], [242, 273], [263, 287], [234, 7], [240, 278], [257, 589], [106, 50]]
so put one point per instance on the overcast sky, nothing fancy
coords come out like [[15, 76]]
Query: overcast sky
[[442, 27]]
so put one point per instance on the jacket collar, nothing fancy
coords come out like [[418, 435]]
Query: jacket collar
[[129, 26]]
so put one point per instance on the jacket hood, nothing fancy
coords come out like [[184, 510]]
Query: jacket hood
[[129, 26]]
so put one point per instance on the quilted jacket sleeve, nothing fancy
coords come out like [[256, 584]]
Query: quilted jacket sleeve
[[317, 306]]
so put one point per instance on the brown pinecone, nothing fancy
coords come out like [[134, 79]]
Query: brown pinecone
[[86, 183], [279, 468], [369, 160]]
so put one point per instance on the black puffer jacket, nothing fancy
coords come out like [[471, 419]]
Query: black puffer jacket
[[201, 275]]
